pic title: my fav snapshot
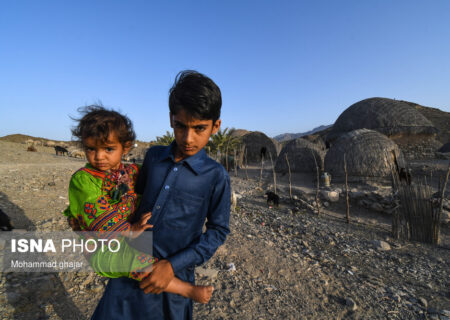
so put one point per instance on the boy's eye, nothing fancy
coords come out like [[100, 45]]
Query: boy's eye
[[200, 129], [110, 149], [89, 149]]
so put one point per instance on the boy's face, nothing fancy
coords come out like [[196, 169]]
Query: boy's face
[[191, 134], [104, 156]]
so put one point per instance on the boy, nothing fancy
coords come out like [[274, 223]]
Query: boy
[[182, 187]]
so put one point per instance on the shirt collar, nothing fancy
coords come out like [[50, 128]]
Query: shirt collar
[[195, 162]]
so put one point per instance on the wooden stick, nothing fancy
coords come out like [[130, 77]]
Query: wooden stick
[[317, 185], [235, 163], [289, 172], [436, 238], [346, 190], [261, 172], [273, 174], [246, 163]]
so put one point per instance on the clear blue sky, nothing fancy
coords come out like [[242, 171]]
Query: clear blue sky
[[282, 66]]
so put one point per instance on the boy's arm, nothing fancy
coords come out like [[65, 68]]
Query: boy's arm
[[162, 272], [217, 228]]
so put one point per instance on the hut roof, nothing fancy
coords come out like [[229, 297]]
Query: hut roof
[[368, 153], [300, 155], [384, 115], [257, 144], [238, 132]]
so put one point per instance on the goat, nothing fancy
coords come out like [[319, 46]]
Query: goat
[[61, 150], [272, 198]]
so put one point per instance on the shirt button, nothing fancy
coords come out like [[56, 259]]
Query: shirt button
[[167, 187], [158, 207], [175, 169]]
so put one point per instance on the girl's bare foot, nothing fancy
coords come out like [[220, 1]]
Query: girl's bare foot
[[201, 294]]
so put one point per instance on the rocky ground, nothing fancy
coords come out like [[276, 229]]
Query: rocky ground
[[277, 263]]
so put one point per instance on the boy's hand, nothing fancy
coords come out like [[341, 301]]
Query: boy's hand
[[140, 226], [161, 273]]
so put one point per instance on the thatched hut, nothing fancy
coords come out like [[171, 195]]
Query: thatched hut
[[445, 148], [369, 154], [301, 153], [398, 120], [258, 145]]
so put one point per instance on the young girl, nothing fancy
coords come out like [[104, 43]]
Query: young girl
[[102, 198]]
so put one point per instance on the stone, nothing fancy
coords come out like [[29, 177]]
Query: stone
[[423, 302], [381, 245], [331, 196], [377, 207], [231, 267], [351, 304], [97, 288], [207, 272]]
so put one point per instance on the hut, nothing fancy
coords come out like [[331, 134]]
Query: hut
[[407, 127], [369, 155], [445, 148], [301, 153], [257, 145]]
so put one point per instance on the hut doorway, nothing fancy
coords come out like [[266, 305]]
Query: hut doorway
[[263, 152]]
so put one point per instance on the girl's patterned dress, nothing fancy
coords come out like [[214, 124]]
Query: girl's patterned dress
[[102, 202]]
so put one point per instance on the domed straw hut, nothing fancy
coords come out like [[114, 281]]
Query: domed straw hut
[[258, 145], [300, 153], [369, 154], [445, 148], [398, 120]]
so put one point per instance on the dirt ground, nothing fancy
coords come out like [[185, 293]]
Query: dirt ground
[[277, 263]]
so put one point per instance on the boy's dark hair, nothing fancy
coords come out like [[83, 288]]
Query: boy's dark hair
[[98, 122], [197, 94]]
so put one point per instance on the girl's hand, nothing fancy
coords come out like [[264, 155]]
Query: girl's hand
[[140, 226]]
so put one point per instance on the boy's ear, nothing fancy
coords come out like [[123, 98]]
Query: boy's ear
[[216, 126]]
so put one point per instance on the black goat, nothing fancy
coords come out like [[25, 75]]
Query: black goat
[[61, 150], [272, 198]]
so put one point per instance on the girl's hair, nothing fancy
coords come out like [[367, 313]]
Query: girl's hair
[[98, 122]]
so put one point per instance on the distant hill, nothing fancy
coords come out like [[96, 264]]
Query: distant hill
[[290, 136], [21, 138]]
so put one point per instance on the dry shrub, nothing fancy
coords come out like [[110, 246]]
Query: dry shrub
[[31, 149]]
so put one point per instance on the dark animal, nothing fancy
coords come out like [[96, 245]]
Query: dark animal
[[5, 223], [272, 198], [405, 176], [61, 150]]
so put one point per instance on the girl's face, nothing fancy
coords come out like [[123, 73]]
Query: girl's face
[[105, 156]]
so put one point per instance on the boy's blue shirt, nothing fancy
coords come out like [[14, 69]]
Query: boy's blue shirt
[[180, 196]]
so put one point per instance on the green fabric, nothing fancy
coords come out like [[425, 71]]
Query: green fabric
[[91, 204]]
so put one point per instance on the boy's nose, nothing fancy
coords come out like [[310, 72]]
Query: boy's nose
[[188, 136]]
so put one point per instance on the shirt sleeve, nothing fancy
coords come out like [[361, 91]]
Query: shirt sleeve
[[83, 189], [217, 228]]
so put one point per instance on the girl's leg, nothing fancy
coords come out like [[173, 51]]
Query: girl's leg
[[200, 294]]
